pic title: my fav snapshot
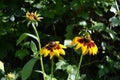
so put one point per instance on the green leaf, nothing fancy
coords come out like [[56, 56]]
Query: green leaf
[[111, 33], [99, 13], [61, 65], [33, 47], [98, 27], [48, 77], [21, 53], [27, 69], [84, 15], [72, 70], [39, 5], [115, 21], [69, 30], [25, 35], [102, 71], [117, 65]]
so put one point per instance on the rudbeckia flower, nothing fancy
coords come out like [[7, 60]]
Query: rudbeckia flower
[[86, 45], [33, 16], [53, 49]]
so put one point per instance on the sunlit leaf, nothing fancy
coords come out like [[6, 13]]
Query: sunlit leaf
[[67, 43], [33, 47], [1, 67], [61, 64], [25, 35], [115, 21]]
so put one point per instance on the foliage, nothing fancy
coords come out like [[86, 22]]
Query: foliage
[[62, 21]]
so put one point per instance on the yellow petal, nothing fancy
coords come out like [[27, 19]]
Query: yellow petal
[[62, 52], [95, 50], [51, 55], [84, 49], [90, 51], [56, 52], [45, 52], [62, 46]]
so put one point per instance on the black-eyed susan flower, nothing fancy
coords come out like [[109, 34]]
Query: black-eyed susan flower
[[33, 16], [53, 48], [86, 45]]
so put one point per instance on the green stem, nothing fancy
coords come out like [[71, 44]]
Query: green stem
[[80, 61], [52, 67], [39, 46], [41, 61]]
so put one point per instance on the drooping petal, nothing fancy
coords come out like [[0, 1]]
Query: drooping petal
[[45, 52], [51, 55], [78, 46], [95, 50], [62, 52], [84, 49], [90, 51], [56, 52], [62, 46]]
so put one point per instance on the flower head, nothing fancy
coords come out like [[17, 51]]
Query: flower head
[[11, 75], [33, 16], [86, 44], [53, 49]]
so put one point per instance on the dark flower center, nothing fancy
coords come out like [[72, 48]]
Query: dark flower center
[[90, 44], [52, 46], [84, 40]]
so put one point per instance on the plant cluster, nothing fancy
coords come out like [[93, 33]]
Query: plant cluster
[[59, 40]]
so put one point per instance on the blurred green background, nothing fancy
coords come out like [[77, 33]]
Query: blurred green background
[[63, 19]]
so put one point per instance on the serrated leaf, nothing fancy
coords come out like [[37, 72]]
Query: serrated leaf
[[25, 35], [27, 69], [72, 70], [21, 53], [60, 64]]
